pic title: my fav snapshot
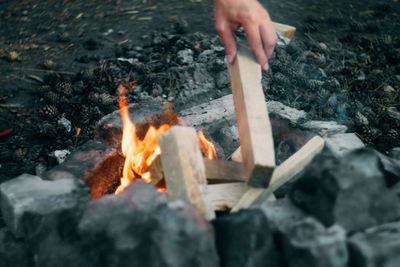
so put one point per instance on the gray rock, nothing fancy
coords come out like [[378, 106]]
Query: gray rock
[[309, 243], [60, 155], [185, 56], [281, 214], [13, 252], [31, 194], [350, 191], [65, 124], [209, 112], [109, 129], [98, 165], [376, 247], [324, 127], [53, 238], [205, 56], [222, 79], [281, 111], [139, 228], [395, 153], [245, 239], [339, 144]]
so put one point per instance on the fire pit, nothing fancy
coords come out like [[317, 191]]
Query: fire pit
[[335, 203]]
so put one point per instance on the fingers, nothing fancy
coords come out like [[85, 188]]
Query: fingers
[[269, 39], [256, 45], [226, 33]]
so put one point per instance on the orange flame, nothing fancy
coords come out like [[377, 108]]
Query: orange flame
[[206, 146], [140, 154]]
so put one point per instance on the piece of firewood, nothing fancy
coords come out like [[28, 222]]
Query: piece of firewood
[[156, 170], [215, 170], [286, 30], [237, 155], [223, 170], [254, 127], [283, 173], [225, 196], [183, 166]]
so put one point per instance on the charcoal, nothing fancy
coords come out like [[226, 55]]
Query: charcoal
[[13, 252], [350, 191], [376, 247], [98, 165], [245, 239], [309, 243], [124, 230], [31, 194], [339, 144]]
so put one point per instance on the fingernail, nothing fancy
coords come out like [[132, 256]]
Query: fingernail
[[266, 66], [230, 59]]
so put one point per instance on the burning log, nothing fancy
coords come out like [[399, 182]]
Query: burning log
[[184, 169], [252, 116], [284, 172], [225, 196]]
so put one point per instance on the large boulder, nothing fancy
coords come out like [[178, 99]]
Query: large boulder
[[350, 191], [139, 227]]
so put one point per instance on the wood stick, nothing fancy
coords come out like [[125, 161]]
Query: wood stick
[[184, 170], [225, 196], [237, 155], [254, 127], [286, 30], [283, 173], [215, 170], [221, 169]]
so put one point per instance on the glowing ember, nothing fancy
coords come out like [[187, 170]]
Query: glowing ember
[[141, 153], [206, 147]]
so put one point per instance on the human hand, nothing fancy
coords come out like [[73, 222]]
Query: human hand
[[250, 14]]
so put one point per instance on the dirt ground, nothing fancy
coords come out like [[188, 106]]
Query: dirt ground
[[44, 40]]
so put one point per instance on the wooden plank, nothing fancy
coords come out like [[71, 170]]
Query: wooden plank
[[184, 170], [254, 127], [225, 196], [222, 169], [283, 173], [156, 170], [237, 155], [286, 30], [215, 170]]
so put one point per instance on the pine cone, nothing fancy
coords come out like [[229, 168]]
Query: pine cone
[[106, 99], [94, 98], [65, 89], [52, 98], [42, 90], [85, 114], [50, 111]]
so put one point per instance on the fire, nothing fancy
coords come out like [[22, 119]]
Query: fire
[[206, 146], [141, 153]]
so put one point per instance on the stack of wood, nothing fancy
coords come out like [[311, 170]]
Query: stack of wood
[[217, 185]]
